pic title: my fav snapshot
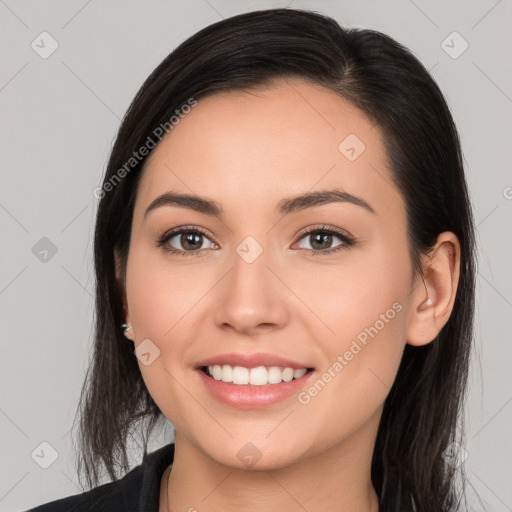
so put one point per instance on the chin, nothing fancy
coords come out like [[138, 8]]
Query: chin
[[255, 453]]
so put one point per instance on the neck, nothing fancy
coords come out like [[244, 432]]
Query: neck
[[335, 480]]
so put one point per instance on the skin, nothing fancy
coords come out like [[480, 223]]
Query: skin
[[248, 151]]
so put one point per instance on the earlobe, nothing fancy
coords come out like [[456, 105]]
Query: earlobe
[[433, 299]]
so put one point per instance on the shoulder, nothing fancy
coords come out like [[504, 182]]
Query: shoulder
[[137, 491]]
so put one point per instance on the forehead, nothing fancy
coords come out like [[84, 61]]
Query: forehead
[[260, 146]]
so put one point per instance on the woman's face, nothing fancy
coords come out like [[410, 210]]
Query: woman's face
[[255, 282]]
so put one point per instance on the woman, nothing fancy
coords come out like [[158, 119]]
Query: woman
[[285, 266]]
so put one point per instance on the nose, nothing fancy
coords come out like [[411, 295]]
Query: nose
[[252, 297]]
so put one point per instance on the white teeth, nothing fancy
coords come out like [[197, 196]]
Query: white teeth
[[275, 375], [217, 372], [258, 376], [288, 374], [297, 374], [240, 375], [227, 373]]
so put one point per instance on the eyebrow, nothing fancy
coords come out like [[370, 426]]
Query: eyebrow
[[284, 207]]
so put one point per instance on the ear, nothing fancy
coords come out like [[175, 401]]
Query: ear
[[432, 307], [121, 281]]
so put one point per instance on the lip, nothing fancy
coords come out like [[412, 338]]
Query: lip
[[253, 397], [251, 361]]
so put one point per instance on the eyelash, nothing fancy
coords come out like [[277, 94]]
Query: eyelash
[[348, 241]]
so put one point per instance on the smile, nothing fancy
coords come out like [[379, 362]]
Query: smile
[[258, 376], [253, 388]]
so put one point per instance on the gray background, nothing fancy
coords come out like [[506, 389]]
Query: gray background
[[59, 116]]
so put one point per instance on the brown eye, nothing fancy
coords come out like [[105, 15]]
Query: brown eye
[[189, 240], [321, 240], [184, 241]]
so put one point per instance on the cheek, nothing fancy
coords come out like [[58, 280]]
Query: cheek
[[158, 302], [160, 294], [355, 294], [360, 359], [361, 304]]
